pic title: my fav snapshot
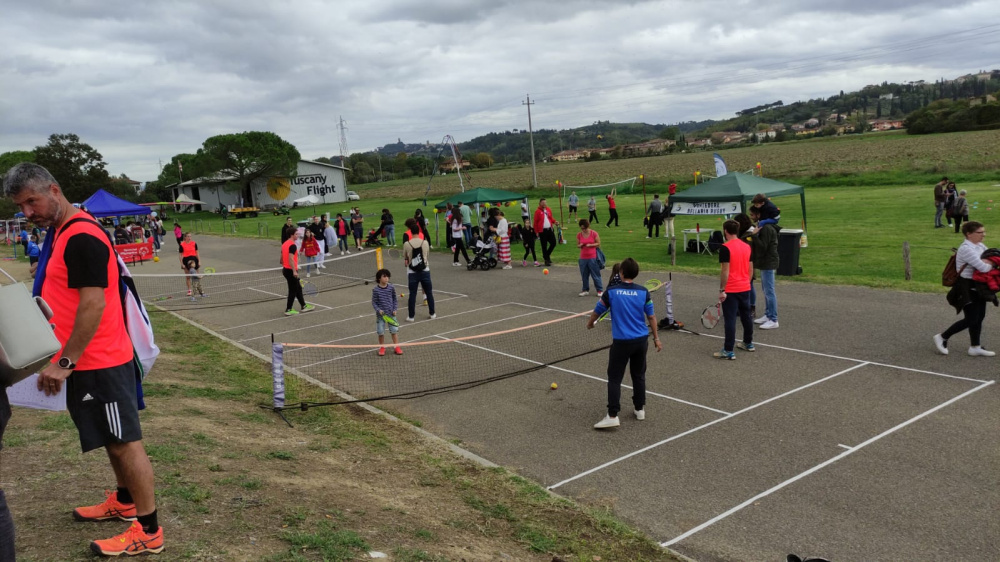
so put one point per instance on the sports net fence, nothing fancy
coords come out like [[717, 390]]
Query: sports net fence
[[440, 363], [170, 291]]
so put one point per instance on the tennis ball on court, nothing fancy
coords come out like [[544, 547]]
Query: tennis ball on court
[[401, 295], [156, 258], [554, 386], [545, 271]]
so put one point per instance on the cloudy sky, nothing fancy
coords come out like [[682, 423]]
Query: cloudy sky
[[142, 81]]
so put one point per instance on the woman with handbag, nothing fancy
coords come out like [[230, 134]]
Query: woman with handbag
[[589, 241]]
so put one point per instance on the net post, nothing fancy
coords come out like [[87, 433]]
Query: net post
[[278, 375], [378, 258]]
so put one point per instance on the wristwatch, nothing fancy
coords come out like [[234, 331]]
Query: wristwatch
[[66, 363]]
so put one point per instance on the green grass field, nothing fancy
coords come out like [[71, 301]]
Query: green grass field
[[855, 234]]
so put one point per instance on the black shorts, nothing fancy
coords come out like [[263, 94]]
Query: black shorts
[[572, 208], [190, 262], [103, 405]]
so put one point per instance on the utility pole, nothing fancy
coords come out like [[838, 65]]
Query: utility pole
[[531, 138], [343, 140]]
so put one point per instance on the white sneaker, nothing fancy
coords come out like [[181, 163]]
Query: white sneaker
[[640, 415], [341, 252], [409, 319], [321, 266], [941, 344], [433, 316], [760, 320], [348, 252], [977, 351], [456, 264], [507, 266], [600, 294], [607, 422], [769, 325], [328, 254], [308, 275], [584, 293]]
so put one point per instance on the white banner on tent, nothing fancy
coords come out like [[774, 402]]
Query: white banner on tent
[[707, 208]]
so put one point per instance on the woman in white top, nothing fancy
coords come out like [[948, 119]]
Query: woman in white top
[[503, 231], [457, 238], [964, 295]]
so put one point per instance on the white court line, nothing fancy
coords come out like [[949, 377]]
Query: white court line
[[700, 427], [321, 324], [853, 359], [546, 308], [585, 375], [418, 339], [821, 465], [846, 447]]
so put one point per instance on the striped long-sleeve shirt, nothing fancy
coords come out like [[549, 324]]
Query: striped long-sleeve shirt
[[384, 299]]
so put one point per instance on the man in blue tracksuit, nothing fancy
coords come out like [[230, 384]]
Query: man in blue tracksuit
[[631, 319]]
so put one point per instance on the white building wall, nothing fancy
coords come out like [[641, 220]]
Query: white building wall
[[325, 181]]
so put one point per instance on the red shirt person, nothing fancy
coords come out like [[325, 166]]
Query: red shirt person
[[734, 290], [544, 226], [81, 283]]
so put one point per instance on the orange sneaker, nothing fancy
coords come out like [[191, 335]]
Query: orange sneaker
[[131, 542], [110, 508]]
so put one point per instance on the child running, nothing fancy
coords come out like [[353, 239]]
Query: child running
[[385, 304]]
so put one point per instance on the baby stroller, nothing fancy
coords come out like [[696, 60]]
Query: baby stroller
[[483, 258], [373, 241]]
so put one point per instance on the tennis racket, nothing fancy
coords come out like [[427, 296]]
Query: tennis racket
[[308, 288], [390, 320], [209, 270], [651, 285], [393, 253], [711, 315]]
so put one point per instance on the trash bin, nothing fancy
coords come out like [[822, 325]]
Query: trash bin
[[788, 251]]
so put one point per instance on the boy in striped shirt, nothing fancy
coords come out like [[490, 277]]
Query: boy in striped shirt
[[385, 304]]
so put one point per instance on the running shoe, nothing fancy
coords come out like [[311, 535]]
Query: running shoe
[[399, 351], [291, 312], [381, 351], [724, 355], [110, 508], [308, 308], [133, 541]]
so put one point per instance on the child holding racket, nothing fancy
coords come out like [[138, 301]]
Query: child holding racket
[[385, 304]]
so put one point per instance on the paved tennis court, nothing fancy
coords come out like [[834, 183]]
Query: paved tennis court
[[844, 436]]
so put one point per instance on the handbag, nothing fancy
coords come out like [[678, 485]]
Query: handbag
[[27, 342], [601, 260]]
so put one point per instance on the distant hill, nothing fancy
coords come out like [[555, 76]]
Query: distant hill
[[852, 111]]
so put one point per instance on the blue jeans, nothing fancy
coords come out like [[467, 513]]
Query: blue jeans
[[588, 269], [770, 300], [468, 234], [309, 263], [753, 295], [737, 306], [423, 280], [342, 243], [390, 234]]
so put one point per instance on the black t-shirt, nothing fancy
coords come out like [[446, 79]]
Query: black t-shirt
[[4, 413], [387, 218], [86, 260], [316, 229], [492, 222]]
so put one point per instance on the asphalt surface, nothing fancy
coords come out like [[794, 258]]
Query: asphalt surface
[[844, 436]]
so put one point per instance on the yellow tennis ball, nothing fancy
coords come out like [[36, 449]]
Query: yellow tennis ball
[[545, 271], [554, 386], [401, 295], [156, 258]]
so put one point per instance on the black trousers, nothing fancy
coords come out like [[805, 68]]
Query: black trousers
[[613, 217], [654, 222], [633, 354], [548, 239], [294, 289], [459, 247], [593, 218], [530, 249], [975, 313]]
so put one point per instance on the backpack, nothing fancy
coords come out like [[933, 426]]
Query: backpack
[[951, 273], [715, 241], [417, 263]]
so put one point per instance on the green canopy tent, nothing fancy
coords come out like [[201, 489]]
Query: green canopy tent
[[477, 197], [729, 194]]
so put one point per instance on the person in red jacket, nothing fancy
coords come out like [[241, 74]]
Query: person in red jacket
[[545, 227]]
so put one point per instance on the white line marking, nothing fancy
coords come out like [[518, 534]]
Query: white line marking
[[853, 359], [822, 465], [585, 375], [283, 317], [418, 339], [846, 447], [700, 427], [545, 308]]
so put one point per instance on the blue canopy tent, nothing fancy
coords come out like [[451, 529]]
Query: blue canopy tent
[[103, 204]]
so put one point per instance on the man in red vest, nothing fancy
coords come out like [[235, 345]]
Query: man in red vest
[[734, 290], [81, 285]]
